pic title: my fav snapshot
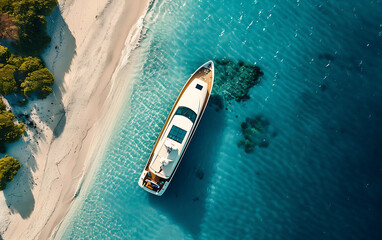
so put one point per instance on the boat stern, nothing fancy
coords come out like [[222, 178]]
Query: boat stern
[[145, 181]]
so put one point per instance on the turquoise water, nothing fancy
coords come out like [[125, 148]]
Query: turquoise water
[[321, 175]]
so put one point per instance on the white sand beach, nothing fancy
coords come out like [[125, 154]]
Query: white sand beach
[[88, 38]]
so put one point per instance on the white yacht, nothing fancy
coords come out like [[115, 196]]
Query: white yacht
[[178, 130]]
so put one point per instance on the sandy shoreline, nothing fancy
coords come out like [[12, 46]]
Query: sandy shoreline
[[87, 41]]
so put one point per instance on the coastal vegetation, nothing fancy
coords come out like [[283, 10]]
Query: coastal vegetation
[[24, 22], [38, 81], [7, 79], [24, 75], [8, 28], [8, 169], [9, 130], [234, 80], [22, 71]]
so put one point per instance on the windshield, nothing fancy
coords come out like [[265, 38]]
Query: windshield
[[188, 113]]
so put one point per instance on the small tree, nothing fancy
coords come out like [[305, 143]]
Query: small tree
[[15, 60], [2, 105], [39, 81], [8, 169], [31, 64], [29, 17], [7, 80], [9, 131], [4, 54]]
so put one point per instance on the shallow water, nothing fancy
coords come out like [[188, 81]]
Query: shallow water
[[320, 177]]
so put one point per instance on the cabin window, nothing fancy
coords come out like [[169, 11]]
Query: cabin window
[[188, 113], [198, 86], [177, 134]]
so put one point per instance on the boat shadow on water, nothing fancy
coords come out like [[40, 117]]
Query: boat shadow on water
[[185, 199]]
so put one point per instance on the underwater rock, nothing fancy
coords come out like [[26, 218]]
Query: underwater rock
[[233, 80], [200, 174], [256, 132]]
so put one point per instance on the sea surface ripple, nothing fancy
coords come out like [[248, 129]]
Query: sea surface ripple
[[320, 177]]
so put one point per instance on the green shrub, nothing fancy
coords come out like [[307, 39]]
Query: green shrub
[[7, 80], [2, 105], [38, 81], [4, 54], [9, 131], [15, 60], [24, 72], [29, 16], [31, 64], [45, 91], [8, 169]]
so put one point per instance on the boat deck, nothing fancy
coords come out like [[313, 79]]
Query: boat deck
[[203, 74], [147, 181], [172, 156]]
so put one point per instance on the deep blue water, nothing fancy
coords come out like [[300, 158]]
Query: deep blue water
[[321, 175]]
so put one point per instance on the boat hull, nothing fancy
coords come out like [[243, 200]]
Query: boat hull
[[150, 181]]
